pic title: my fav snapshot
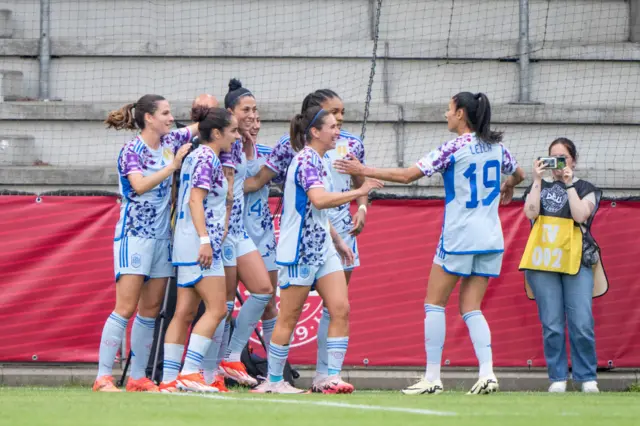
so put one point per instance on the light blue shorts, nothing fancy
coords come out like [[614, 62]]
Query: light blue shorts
[[234, 247], [190, 275], [307, 275], [466, 265], [142, 256]]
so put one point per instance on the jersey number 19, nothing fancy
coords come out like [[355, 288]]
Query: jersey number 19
[[489, 182]]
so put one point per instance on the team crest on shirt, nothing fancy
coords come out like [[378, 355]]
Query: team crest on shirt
[[167, 155], [342, 148], [136, 260], [553, 198]]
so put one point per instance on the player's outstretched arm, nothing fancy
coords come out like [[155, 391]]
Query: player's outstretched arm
[[255, 183], [351, 166], [322, 199]]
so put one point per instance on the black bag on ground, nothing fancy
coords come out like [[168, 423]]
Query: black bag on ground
[[257, 366]]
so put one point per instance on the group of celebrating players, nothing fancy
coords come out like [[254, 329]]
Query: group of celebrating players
[[224, 233]]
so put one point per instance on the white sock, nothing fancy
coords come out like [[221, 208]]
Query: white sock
[[434, 334], [198, 346], [111, 340], [481, 338], [172, 361], [336, 350], [141, 342]]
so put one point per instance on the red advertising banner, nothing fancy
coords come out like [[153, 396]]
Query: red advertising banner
[[57, 288]]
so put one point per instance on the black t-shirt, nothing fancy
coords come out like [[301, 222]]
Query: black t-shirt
[[554, 201]]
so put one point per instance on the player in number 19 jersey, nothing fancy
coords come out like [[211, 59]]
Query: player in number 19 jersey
[[471, 244]]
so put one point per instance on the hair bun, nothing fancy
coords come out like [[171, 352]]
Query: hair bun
[[234, 84]]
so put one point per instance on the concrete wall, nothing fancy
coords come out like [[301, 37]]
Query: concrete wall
[[584, 70], [595, 21]]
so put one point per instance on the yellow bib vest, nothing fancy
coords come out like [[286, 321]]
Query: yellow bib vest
[[556, 242], [554, 245]]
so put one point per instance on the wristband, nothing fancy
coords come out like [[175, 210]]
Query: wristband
[[362, 207], [205, 240]]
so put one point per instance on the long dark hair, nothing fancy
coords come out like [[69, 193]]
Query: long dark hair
[[478, 115], [302, 124], [569, 145], [131, 116]]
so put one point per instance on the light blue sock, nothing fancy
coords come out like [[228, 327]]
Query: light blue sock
[[210, 361], [198, 346], [246, 322], [322, 357], [276, 361], [336, 350], [111, 340], [435, 327], [141, 342], [225, 337], [481, 338], [267, 331], [172, 361]]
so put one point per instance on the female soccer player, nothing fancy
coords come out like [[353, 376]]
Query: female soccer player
[[340, 217], [471, 244], [240, 256], [258, 222], [197, 252], [305, 251], [142, 238]]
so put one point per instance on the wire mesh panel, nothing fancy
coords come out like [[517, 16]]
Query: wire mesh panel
[[395, 63], [109, 53], [582, 81]]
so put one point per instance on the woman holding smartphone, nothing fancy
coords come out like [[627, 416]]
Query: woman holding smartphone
[[560, 260]]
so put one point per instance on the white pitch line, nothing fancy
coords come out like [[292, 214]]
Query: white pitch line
[[324, 404]]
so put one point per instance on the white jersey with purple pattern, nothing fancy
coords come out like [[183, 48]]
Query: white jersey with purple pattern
[[258, 221], [305, 237], [237, 160], [340, 217], [283, 153], [147, 215], [471, 170], [201, 169]]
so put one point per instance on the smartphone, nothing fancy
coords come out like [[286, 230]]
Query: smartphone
[[553, 162]]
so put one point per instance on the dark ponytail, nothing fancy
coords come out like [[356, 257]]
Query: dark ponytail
[[131, 116], [215, 118], [302, 124], [478, 115], [315, 99]]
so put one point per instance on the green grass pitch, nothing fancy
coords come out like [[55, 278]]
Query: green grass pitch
[[79, 406]]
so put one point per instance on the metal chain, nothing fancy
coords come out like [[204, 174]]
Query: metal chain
[[376, 35]]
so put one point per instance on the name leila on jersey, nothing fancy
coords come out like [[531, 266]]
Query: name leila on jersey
[[480, 148]]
